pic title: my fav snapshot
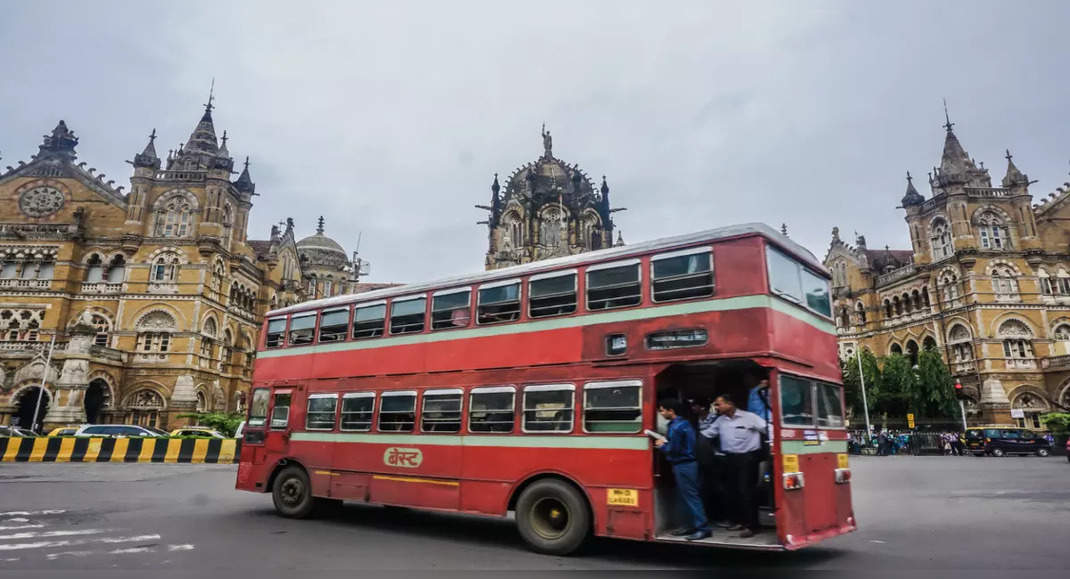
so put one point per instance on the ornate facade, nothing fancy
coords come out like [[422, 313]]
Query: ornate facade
[[548, 209], [154, 297], [986, 283]]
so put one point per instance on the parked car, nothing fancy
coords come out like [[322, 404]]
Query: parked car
[[12, 431], [1004, 440], [118, 431], [198, 431], [64, 431]]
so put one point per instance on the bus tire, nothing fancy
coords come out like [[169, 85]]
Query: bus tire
[[553, 517], [292, 493]]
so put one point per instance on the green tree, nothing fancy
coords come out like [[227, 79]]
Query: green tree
[[896, 387], [225, 423], [852, 390], [1057, 422], [933, 393]]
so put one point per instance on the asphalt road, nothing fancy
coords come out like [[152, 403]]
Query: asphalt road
[[917, 516]]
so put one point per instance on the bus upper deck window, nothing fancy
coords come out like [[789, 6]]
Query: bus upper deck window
[[369, 320], [551, 294], [613, 285], [681, 275], [449, 309], [491, 409], [793, 281], [397, 411], [441, 411], [276, 329], [407, 315], [499, 302], [301, 328], [334, 324], [548, 408], [796, 401], [612, 406]]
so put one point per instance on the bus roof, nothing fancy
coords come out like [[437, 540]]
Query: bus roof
[[709, 235]]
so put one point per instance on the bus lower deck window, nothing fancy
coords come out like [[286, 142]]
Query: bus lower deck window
[[333, 325], [548, 408], [678, 277], [491, 409], [552, 296], [397, 412], [321, 409], [450, 310], [612, 406], [829, 405], [613, 287], [796, 401], [258, 407], [301, 329], [368, 321], [441, 412], [357, 410], [276, 330], [499, 304], [407, 316]]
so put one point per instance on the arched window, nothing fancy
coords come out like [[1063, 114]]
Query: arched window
[[897, 349], [144, 407], [1063, 283], [940, 236], [961, 343], [165, 268], [1047, 287], [513, 231], [928, 344], [912, 352], [1062, 339], [1017, 343], [843, 319], [154, 333], [898, 306], [103, 327], [860, 313], [1004, 283], [925, 297], [950, 287], [907, 304], [95, 270], [202, 401], [553, 232], [887, 309], [175, 218], [915, 296], [116, 269], [208, 339], [994, 233]]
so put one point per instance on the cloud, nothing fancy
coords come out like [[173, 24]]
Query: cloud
[[391, 118]]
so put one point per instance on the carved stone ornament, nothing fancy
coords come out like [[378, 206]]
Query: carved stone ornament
[[40, 201]]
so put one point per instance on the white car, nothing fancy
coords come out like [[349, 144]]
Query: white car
[[197, 431], [117, 431]]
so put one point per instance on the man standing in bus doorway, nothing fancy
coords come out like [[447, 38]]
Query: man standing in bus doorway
[[679, 449], [740, 433], [710, 462]]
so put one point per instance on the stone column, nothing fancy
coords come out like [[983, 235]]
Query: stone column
[[995, 406], [68, 398], [183, 401]]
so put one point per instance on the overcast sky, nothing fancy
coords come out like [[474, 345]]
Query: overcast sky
[[391, 118]]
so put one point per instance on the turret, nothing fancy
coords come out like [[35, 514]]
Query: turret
[[912, 197]]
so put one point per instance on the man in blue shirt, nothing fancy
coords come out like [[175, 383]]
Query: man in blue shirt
[[679, 449]]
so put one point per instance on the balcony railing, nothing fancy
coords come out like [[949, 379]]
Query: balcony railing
[[896, 275], [29, 346], [987, 192], [1021, 363], [101, 287], [1055, 362], [37, 230], [19, 284]]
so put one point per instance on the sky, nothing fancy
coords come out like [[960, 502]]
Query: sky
[[391, 118]]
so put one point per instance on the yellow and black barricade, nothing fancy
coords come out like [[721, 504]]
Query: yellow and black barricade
[[79, 449]]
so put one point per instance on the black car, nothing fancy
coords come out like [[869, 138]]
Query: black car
[[1001, 441]]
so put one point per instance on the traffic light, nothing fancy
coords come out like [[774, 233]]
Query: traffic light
[[958, 388]]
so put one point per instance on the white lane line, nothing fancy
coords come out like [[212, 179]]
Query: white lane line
[[17, 520], [54, 556], [18, 527], [74, 542], [35, 534], [132, 550], [33, 513], [11, 560], [186, 547]]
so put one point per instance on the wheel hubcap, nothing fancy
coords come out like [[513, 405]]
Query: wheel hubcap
[[550, 518], [292, 492]]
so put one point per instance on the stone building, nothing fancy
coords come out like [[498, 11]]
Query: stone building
[[154, 296], [986, 282], [548, 209]]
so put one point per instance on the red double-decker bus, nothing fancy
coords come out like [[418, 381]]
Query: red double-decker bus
[[529, 388]]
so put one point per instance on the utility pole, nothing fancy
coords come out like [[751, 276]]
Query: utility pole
[[865, 403], [44, 376]]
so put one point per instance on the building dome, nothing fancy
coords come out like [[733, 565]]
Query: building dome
[[320, 250]]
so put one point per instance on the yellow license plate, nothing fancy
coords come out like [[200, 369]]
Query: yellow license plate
[[622, 497]]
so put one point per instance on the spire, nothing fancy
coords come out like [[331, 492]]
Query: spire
[[60, 143], [956, 166], [245, 183], [147, 157], [836, 235], [208, 106], [1013, 176], [203, 139], [223, 152], [605, 188], [495, 187], [912, 197], [319, 226], [620, 239]]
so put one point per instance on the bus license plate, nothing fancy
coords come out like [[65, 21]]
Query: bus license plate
[[622, 497]]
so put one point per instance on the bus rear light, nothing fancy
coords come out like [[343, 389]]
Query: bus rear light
[[793, 481], [843, 475]]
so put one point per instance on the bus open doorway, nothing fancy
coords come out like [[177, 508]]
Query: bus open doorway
[[697, 384]]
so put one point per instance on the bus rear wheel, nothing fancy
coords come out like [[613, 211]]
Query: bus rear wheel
[[553, 517]]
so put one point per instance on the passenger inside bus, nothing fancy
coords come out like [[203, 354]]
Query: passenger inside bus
[[696, 385]]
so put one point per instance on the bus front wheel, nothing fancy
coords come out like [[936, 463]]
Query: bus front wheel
[[552, 517], [292, 493]]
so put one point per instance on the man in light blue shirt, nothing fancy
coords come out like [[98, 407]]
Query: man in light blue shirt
[[740, 433]]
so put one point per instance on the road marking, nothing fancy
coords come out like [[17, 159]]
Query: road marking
[[16, 527], [32, 513], [17, 520], [35, 534], [75, 542], [132, 550], [9, 560], [877, 541], [54, 556], [186, 547]]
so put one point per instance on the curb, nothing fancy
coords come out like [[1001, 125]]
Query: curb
[[160, 450]]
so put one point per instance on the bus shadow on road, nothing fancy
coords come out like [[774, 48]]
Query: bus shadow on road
[[501, 533]]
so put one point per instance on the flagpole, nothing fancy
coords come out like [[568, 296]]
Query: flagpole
[[865, 403], [44, 376]]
